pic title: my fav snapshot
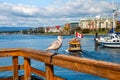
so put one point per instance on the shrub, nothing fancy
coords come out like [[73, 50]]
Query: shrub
[[85, 31]]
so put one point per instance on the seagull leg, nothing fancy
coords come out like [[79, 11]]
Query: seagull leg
[[52, 56], [55, 52]]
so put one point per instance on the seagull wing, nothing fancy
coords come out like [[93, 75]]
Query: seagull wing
[[55, 45]]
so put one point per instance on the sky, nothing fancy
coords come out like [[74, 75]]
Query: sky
[[42, 13]]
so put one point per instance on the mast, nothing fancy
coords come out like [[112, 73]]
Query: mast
[[113, 26]]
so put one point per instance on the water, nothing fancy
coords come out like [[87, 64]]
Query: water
[[41, 42]]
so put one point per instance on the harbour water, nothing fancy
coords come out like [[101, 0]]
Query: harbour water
[[41, 42]]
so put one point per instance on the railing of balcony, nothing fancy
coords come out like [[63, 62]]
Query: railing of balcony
[[99, 68]]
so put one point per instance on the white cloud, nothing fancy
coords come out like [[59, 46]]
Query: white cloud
[[28, 10], [57, 13]]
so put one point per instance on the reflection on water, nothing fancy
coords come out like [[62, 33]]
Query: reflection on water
[[106, 49], [113, 54]]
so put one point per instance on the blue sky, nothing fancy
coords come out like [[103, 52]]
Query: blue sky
[[41, 13], [40, 3]]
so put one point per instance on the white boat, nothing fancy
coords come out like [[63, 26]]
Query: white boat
[[112, 41]]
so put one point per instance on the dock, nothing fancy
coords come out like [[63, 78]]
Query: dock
[[103, 69]]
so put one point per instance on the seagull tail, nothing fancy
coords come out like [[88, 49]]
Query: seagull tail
[[46, 49]]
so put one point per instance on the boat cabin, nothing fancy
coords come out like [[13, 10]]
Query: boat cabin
[[74, 45]]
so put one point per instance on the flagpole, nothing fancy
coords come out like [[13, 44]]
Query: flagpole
[[75, 34]]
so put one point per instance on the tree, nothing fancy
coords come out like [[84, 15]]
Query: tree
[[78, 28]]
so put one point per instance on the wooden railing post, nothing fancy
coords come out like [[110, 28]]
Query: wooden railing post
[[27, 69], [49, 72], [15, 68]]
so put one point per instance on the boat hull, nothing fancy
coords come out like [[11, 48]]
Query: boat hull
[[75, 50], [111, 44]]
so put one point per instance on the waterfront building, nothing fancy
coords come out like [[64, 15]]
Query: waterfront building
[[67, 26], [53, 29], [70, 26], [36, 30], [96, 23]]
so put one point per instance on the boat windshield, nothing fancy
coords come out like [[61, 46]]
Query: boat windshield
[[114, 36]]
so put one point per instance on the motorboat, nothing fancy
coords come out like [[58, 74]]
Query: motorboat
[[99, 39], [113, 40], [74, 45]]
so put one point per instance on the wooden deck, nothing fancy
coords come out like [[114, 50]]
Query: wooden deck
[[99, 68]]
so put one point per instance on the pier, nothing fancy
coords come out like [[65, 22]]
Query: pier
[[103, 69]]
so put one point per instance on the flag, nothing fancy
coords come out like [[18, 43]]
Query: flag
[[78, 35]]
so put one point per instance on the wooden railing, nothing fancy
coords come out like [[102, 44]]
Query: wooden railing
[[99, 68]]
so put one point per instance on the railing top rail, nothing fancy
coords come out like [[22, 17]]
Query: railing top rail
[[9, 49], [86, 61], [26, 51]]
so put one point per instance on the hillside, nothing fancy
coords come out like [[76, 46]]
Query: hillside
[[3, 29]]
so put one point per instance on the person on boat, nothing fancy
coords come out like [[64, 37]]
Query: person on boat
[[96, 37]]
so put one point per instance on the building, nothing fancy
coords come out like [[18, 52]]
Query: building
[[71, 26], [96, 23], [53, 29]]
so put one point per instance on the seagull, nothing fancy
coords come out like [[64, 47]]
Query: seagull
[[55, 45]]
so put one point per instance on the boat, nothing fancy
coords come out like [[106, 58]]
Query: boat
[[112, 40], [74, 45]]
